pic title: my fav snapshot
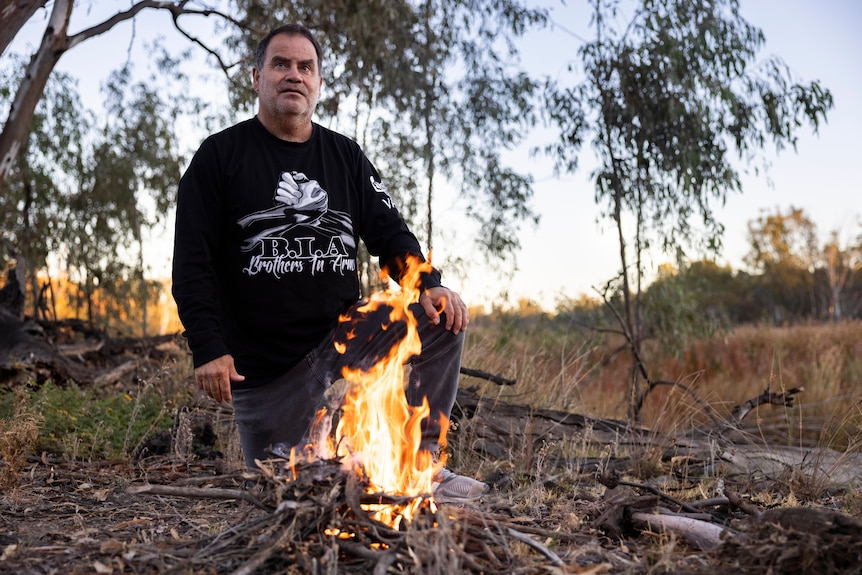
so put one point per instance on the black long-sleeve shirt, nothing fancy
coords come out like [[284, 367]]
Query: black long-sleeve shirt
[[266, 239]]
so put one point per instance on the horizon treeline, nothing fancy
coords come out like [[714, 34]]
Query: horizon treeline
[[791, 278]]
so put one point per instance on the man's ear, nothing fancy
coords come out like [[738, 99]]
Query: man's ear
[[255, 78]]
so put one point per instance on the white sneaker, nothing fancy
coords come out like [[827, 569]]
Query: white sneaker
[[450, 487]]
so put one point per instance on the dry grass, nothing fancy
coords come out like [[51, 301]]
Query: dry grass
[[574, 371], [17, 440]]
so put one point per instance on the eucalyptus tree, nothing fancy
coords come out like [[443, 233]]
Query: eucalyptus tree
[[22, 100], [57, 40], [84, 188], [674, 105], [126, 186], [490, 110]]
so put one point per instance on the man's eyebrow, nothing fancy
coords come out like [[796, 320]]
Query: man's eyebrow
[[281, 59]]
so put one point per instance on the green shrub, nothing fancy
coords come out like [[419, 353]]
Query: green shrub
[[94, 422]]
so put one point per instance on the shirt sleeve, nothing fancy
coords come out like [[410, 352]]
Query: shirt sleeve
[[196, 241], [384, 230]]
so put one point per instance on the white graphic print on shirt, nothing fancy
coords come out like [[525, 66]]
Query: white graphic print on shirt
[[380, 188], [300, 234]]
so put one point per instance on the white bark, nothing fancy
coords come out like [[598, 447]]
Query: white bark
[[30, 91], [701, 534]]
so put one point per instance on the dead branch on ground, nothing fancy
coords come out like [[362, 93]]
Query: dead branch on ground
[[318, 511]]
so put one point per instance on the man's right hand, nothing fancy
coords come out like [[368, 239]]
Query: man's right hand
[[215, 376]]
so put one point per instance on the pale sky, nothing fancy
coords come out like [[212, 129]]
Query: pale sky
[[569, 253]]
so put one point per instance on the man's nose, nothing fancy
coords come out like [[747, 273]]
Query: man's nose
[[293, 74]]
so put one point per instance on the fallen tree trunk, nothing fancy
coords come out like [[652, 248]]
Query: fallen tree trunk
[[69, 350], [510, 431]]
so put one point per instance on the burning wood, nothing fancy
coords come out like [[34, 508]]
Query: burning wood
[[320, 518]]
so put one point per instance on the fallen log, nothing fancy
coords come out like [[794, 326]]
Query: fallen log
[[702, 534], [80, 349], [779, 461], [505, 431]]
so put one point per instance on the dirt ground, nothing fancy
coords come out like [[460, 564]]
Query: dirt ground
[[79, 518]]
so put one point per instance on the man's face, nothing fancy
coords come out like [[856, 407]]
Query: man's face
[[289, 82]]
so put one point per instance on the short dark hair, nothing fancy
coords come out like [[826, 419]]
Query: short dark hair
[[290, 30]]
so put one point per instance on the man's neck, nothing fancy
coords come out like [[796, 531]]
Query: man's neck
[[289, 129]]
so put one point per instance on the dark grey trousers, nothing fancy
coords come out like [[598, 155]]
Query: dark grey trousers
[[280, 411]]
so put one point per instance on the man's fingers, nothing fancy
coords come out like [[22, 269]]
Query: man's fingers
[[214, 378], [430, 309], [457, 317], [441, 299], [449, 306]]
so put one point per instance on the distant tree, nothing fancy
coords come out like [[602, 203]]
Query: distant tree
[[694, 301], [841, 267], [784, 252], [669, 100], [782, 237]]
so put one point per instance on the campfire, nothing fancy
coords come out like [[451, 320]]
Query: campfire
[[378, 434]]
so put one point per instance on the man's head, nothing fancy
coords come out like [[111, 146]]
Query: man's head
[[287, 80], [290, 29]]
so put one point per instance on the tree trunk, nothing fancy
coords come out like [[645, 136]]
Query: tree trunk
[[54, 43], [13, 17], [430, 95]]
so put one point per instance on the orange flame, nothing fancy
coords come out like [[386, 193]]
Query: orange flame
[[378, 432]]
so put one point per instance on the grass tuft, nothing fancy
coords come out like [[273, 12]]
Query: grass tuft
[[18, 436]]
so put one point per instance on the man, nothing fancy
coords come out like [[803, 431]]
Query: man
[[269, 214]]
